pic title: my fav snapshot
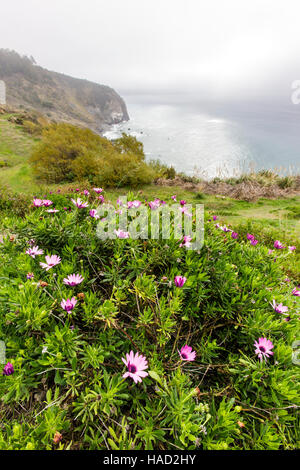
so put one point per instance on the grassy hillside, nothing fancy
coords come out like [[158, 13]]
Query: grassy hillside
[[15, 148], [59, 96], [16, 145], [68, 323]]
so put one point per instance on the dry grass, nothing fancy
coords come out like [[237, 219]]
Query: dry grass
[[247, 187]]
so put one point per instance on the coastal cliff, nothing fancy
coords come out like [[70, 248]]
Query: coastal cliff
[[58, 96]]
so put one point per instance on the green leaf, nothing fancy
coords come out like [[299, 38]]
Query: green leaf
[[154, 375]]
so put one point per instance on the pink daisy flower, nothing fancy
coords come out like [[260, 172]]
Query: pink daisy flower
[[94, 214], [187, 354], [186, 241], [34, 251], [98, 190], [121, 234], [134, 204], [182, 202], [154, 204], [73, 280], [79, 203], [292, 248], [179, 281], [215, 217], [278, 245], [37, 202], [47, 202], [86, 192], [296, 292], [68, 304], [263, 348], [250, 237], [136, 365], [51, 261], [174, 198], [8, 369], [279, 308], [234, 235], [254, 242]]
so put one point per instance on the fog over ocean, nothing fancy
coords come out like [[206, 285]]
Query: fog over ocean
[[216, 139]]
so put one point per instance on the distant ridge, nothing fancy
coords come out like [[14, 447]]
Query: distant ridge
[[59, 96]]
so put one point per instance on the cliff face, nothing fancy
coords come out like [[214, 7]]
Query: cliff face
[[59, 96]]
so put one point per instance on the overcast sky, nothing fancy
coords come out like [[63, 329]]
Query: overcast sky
[[216, 48]]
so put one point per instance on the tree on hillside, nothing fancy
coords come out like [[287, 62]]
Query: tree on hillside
[[129, 144]]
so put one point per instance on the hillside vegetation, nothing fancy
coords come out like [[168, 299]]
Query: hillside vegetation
[[140, 344], [143, 344], [59, 96], [68, 153], [20, 140]]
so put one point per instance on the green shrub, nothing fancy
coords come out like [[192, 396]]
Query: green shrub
[[124, 170], [162, 170], [285, 182], [61, 144], [129, 144], [18, 203], [67, 153], [68, 370]]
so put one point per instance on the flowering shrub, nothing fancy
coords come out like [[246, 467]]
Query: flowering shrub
[[134, 344]]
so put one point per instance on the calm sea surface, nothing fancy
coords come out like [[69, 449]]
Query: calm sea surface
[[222, 142]]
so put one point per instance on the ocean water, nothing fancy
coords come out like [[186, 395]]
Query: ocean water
[[218, 142]]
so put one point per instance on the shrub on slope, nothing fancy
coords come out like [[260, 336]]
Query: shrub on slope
[[67, 153], [68, 377]]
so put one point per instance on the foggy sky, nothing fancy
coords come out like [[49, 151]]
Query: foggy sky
[[217, 49]]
